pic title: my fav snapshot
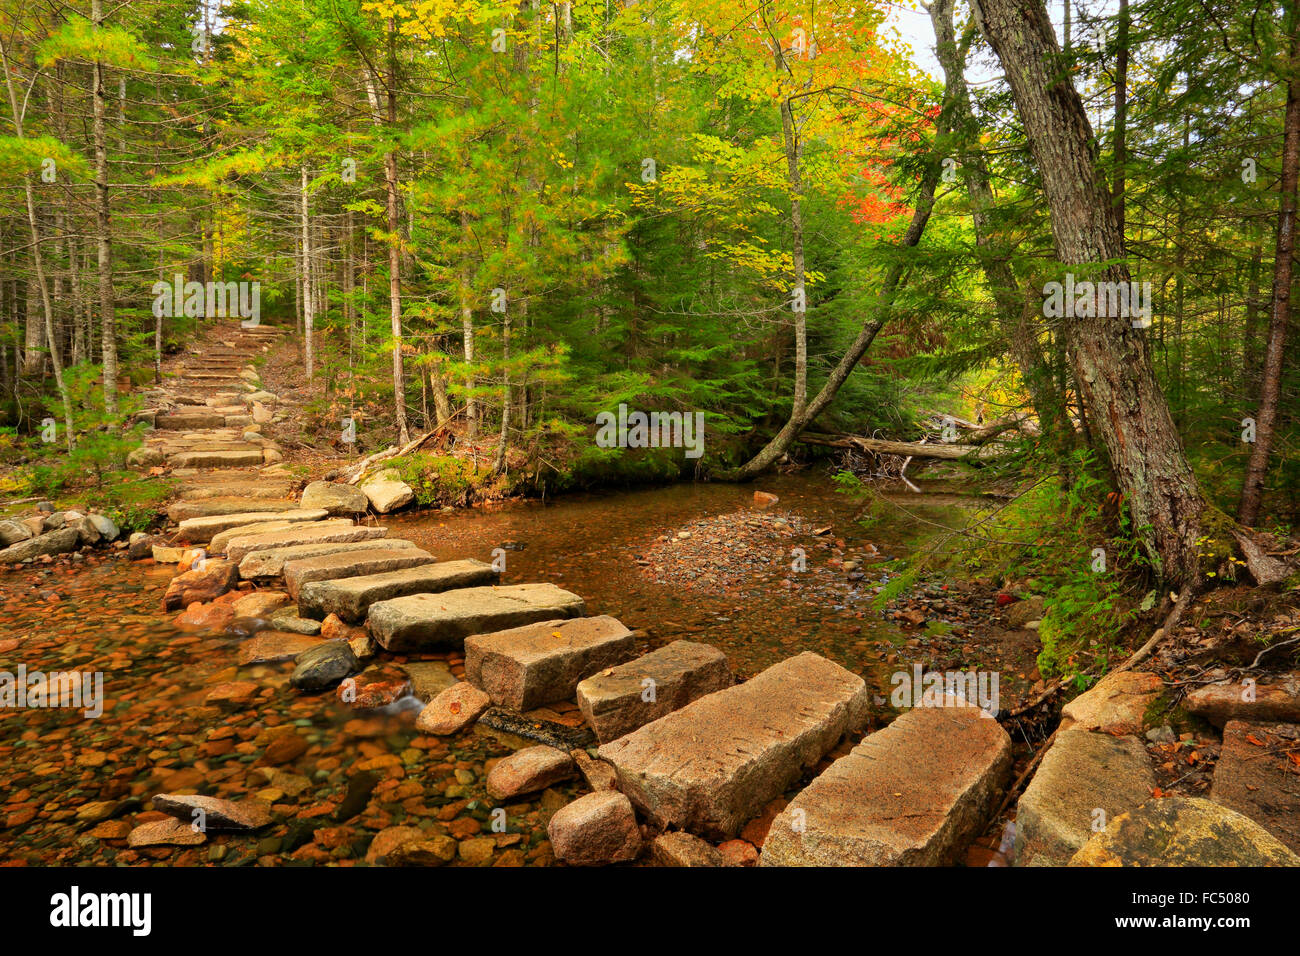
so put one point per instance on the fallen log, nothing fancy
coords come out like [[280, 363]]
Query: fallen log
[[906, 449]]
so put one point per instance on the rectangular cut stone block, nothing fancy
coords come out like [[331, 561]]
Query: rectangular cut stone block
[[201, 530], [233, 458], [270, 563], [526, 667], [219, 541], [619, 701], [913, 794], [202, 504], [350, 598], [712, 765], [239, 548], [350, 564], [445, 620], [1084, 779], [183, 421]]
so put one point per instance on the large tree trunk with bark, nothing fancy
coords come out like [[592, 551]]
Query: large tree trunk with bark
[[1252, 491], [1112, 366], [1014, 318]]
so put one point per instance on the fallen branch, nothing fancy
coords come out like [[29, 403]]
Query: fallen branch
[[1024, 775], [904, 449]]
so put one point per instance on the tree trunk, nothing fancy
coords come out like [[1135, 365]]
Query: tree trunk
[[1252, 491], [103, 235], [1121, 115], [1014, 317], [1112, 367], [467, 333], [37, 261], [782, 440], [309, 292]]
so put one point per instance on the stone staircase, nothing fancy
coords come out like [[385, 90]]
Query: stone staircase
[[207, 423]]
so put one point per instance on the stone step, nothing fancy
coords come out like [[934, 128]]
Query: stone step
[[201, 530], [1084, 781], [239, 548], [216, 459], [350, 564], [195, 383], [201, 506], [913, 794], [440, 621], [526, 667], [713, 765], [350, 598], [220, 540], [269, 562], [616, 702], [1255, 776], [224, 399], [182, 421]]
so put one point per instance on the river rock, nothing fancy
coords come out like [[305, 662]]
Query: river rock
[[1183, 832], [1084, 781], [271, 646], [594, 830], [350, 564], [429, 678], [321, 667], [598, 774], [216, 814], [1256, 777], [617, 700], [387, 495], [95, 529], [389, 839], [1277, 700], [287, 619], [434, 850], [440, 621], [53, 542], [261, 603], [237, 549], [164, 833], [12, 532], [1117, 704], [213, 578], [677, 848], [337, 499], [526, 667], [140, 546], [453, 710], [350, 598], [1023, 612], [374, 687], [715, 763], [528, 771]]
